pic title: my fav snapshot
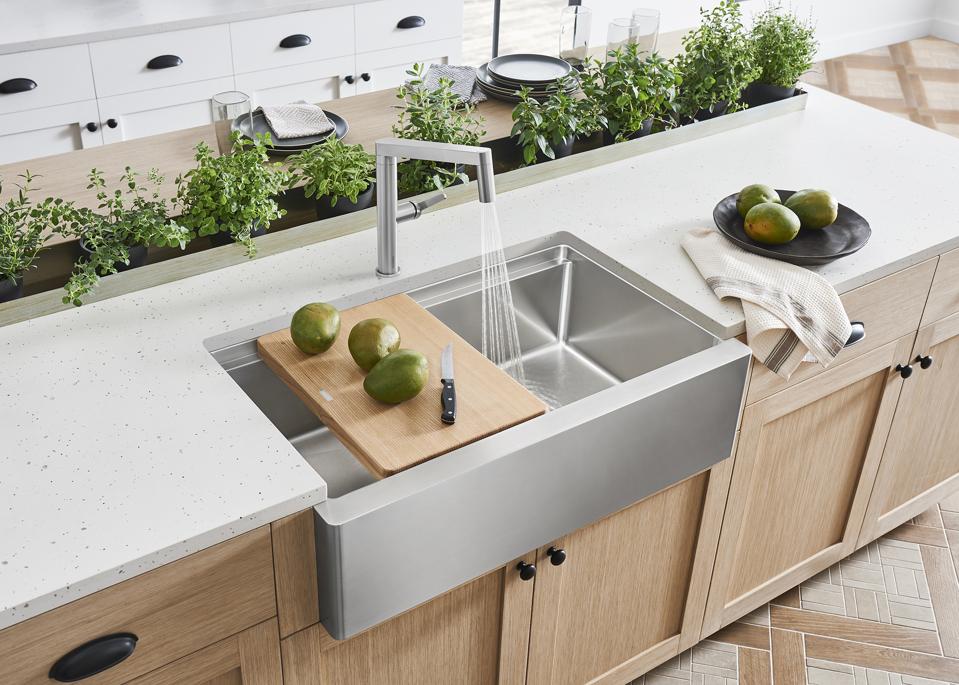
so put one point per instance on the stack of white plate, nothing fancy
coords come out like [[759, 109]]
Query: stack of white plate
[[502, 77]]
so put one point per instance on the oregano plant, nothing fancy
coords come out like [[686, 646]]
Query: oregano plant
[[333, 170], [784, 46]]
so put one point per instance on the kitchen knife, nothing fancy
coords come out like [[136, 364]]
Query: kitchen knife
[[448, 396]]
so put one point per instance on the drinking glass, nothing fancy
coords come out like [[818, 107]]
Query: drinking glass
[[647, 29], [575, 24], [622, 30], [230, 105]]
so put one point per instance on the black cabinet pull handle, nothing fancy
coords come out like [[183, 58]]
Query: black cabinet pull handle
[[349, 79], [17, 85], [413, 22], [297, 40], [857, 334], [556, 556], [164, 62], [93, 657], [526, 571], [112, 123], [365, 76], [904, 371], [925, 361], [91, 127]]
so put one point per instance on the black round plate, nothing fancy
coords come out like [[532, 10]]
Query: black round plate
[[848, 234], [283, 146]]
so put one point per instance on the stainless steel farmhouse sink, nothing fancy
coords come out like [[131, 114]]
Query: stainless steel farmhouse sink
[[641, 398]]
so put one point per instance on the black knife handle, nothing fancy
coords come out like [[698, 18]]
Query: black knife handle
[[448, 399]]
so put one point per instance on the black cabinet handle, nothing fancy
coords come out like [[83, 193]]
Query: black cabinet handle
[[92, 127], [164, 62], [857, 334], [349, 79], [904, 371], [112, 123], [93, 657], [556, 556], [925, 361], [365, 76], [297, 40], [526, 571], [17, 85], [413, 22]]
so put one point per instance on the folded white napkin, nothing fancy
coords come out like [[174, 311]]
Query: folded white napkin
[[790, 311], [462, 78], [297, 119]]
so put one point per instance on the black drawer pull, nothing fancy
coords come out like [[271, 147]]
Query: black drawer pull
[[17, 85], [164, 62], [857, 334], [413, 22], [93, 657], [297, 40]]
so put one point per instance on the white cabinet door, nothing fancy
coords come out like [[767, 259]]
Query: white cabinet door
[[42, 78], [387, 68], [160, 110], [312, 82], [49, 131]]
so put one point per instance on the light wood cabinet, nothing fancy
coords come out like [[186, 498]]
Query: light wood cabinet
[[248, 658], [804, 471], [920, 464]]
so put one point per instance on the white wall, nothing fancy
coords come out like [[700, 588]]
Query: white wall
[[843, 26], [946, 24]]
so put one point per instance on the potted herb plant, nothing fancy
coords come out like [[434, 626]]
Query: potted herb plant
[[435, 115], [341, 177], [784, 47], [232, 198], [117, 237], [22, 227], [716, 64], [548, 129]]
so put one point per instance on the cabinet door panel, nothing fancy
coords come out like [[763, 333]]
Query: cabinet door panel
[[387, 68], [48, 131], [920, 464], [312, 82], [804, 469]]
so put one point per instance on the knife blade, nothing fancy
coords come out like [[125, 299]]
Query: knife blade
[[448, 395]]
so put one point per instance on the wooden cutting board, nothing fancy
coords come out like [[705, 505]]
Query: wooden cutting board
[[390, 438]]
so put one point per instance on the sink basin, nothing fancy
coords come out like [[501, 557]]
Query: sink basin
[[641, 398]]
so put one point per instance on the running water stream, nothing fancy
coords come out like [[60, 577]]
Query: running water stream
[[500, 335]]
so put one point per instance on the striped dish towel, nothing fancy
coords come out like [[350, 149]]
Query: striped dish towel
[[792, 314]]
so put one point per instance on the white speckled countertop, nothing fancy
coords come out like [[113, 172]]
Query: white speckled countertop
[[36, 24], [123, 445]]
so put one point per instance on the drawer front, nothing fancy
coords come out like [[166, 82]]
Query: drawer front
[[296, 38], [49, 131], [128, 65], [57, 76], [387, 68], [890, 308], [944, 295], [380, 25], [312, 82], [173, 610]]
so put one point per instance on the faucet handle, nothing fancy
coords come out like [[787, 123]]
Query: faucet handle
[[428, 202], [409, 210]]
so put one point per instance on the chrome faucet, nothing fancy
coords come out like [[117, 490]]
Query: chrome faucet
[[389, 213]]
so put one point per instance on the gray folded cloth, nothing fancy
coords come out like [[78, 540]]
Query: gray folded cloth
[[463, 79], [297, 119]]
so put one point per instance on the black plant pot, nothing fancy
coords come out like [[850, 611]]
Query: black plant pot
[[226, 238], [715, 110], [645, 130], [564, 149], [343, 205], [757, 93], [11, 290], [138, 256]]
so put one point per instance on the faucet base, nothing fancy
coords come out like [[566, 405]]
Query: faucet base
[[380, 274]]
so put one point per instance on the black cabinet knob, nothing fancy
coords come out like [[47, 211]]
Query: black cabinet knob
[[297, 40], [164, 62], [17, 85], [91, 126], [349, 78], [526, 571], [413, 22], [904, 371], [556, 556], [112, 123], [93, 657], [365, 76], [924, 361]]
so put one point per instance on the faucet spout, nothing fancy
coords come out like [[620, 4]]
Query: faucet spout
[[388, 152]]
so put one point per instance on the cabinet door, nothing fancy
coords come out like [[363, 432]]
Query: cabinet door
[[631, 590], [476, 634], [805, 465], [249, 658], [312, 82], [49, 131], [920, 464], [387, 68]]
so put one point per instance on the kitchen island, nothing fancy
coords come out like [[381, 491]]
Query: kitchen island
[[172, 458]]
